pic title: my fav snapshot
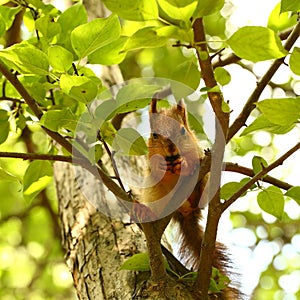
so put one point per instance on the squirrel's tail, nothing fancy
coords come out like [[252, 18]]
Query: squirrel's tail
[[190, 239]]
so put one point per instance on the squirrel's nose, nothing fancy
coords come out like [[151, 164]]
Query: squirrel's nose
[[172, 149], [172, 158]]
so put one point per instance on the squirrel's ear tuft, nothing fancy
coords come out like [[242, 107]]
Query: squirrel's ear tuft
[[181, 105], [153, 105], [181, 109]]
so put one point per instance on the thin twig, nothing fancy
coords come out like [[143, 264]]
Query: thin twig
[[113, 162], [39, 156]]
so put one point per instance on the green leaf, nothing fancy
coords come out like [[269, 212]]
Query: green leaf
[[145, 38], [256, 43], [38, 91], [89, 37], [271, 200], [135, 96], [71, 18], [230, 188], [136, 91], [208, 7], [57, 119], [284, 112], [7, 17], [289, 5], [258, 164], [2, 27], [81, 88], [190, 276], [108, 132], [187, 73], [4, 125], [225, 107], [262, 123], [295, 61], [95, 153], [47, 27], [215, 24], [27, 59], [137, 262], [178, 10], [175, 32], [134, 10], [106, 110], [294, 192], [21, 122], [223, 77], [36, 178], [218, 281], [110, 54], [129, 142], [60, 58], [6, 176], [281, 21]]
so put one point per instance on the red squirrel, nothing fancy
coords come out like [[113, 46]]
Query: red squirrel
[[174, 159]]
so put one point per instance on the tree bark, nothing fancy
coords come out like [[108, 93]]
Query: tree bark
[[95, 244]]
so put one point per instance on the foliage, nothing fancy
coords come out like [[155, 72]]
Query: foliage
[[55, 64]]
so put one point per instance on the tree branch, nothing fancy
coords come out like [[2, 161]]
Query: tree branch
[[110, 184], [249, 106], [231, 167], [38, 156], [259, 175], [221, 126], [204, 60]]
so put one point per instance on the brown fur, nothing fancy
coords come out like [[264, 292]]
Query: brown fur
[[174, 153]]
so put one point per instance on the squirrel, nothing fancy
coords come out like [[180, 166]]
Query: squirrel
[[175, 157]]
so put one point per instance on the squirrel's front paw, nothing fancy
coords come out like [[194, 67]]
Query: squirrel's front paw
[[141, 213], [183, 168], [158, 166]]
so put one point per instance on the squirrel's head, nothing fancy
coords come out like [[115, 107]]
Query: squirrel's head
[[170, 134]]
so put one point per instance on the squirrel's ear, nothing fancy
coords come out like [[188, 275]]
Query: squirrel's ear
[[181, 109], [153, 105]]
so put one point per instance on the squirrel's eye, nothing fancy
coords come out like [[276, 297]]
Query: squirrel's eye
[[182, 131], [155, 135]]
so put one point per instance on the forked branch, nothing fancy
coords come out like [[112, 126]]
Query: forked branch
[[259, 176]]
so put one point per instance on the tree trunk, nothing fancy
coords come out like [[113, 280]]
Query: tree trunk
[[95, 244]]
